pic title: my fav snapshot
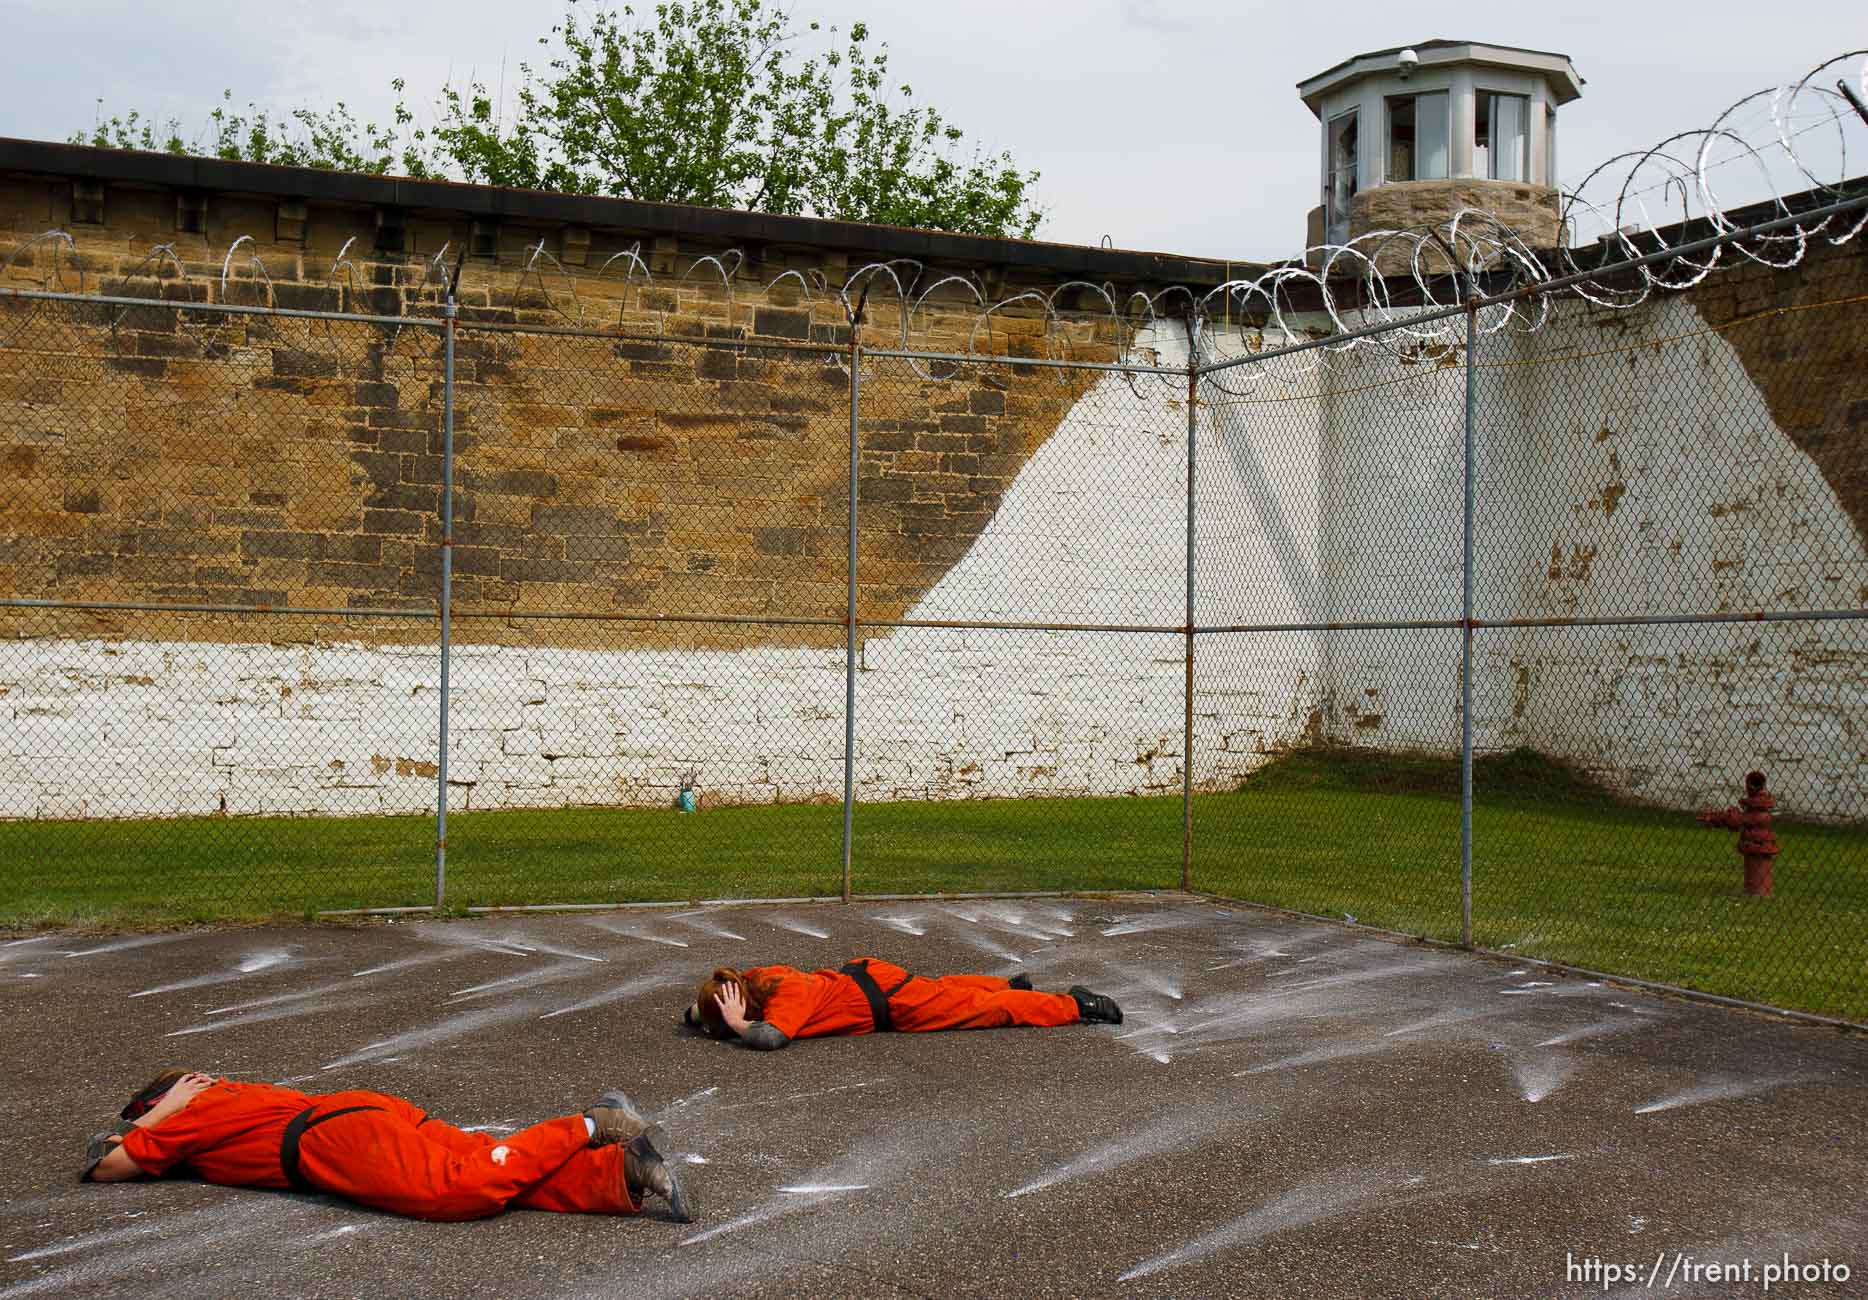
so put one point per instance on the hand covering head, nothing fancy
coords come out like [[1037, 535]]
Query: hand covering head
[[704, 1014], [146, 1100]]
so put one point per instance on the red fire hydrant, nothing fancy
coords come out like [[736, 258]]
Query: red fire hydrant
[[1751, 818]]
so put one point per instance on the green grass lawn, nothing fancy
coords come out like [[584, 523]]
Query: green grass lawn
[[156, 872], [1562, 871]]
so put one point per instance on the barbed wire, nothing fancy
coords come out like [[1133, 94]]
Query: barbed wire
[[1382, 278], [1353, 285]]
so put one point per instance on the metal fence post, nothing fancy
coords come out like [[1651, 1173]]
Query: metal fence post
[[849, 628], [447, 586], [1465, 616], [1186, 763]]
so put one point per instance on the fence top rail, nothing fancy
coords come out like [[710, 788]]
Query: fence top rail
[[1480, 302], [618, 616], [220, 308], [466, 326], [1390, 625], [987, 625], [976, 359]]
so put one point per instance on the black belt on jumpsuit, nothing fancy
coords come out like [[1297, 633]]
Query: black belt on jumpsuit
[[873, 994], [288, 1145]]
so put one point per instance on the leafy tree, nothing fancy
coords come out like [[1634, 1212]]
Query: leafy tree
[[302, 138], [704, 102]]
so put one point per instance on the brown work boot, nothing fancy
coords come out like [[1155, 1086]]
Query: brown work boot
[[649, 1175], [614, 1118]]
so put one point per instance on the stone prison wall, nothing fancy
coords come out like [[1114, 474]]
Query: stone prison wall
[[649, 558], [649, 549]]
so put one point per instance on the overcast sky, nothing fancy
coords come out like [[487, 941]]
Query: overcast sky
[[1162, 124]]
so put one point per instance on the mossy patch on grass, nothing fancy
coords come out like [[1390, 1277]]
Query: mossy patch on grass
[[1515, 773]]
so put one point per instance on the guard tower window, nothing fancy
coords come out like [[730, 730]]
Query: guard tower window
[[1501, 145], [1341, 184], [1419, 137]]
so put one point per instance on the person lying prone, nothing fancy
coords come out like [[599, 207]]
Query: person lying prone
[[766, 1007], [385, 1152]]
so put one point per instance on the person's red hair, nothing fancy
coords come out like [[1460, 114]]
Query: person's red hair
[[756, 993], [158, 1088]]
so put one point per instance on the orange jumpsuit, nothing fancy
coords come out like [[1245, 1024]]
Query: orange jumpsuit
[[818, 1003], [381, 1151]]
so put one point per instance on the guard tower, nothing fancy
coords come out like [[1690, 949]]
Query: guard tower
[[1411, 136]]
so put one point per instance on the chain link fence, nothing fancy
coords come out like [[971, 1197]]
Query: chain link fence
[[1449, 632], [1022, 655], [1682, 507], [217, 669], [1537, 597]]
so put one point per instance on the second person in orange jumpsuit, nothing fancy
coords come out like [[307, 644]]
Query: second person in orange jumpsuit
[[768, 1006], [385, 1152]]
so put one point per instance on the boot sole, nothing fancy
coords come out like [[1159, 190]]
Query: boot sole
[[680, 1205]]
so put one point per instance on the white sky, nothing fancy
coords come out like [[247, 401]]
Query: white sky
[[1169, 125]]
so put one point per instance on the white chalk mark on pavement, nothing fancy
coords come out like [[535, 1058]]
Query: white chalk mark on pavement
[[1714, 1090], [1326, 1198], [251, 964]]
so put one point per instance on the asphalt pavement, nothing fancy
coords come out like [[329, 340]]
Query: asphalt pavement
[[1290, 1109]]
